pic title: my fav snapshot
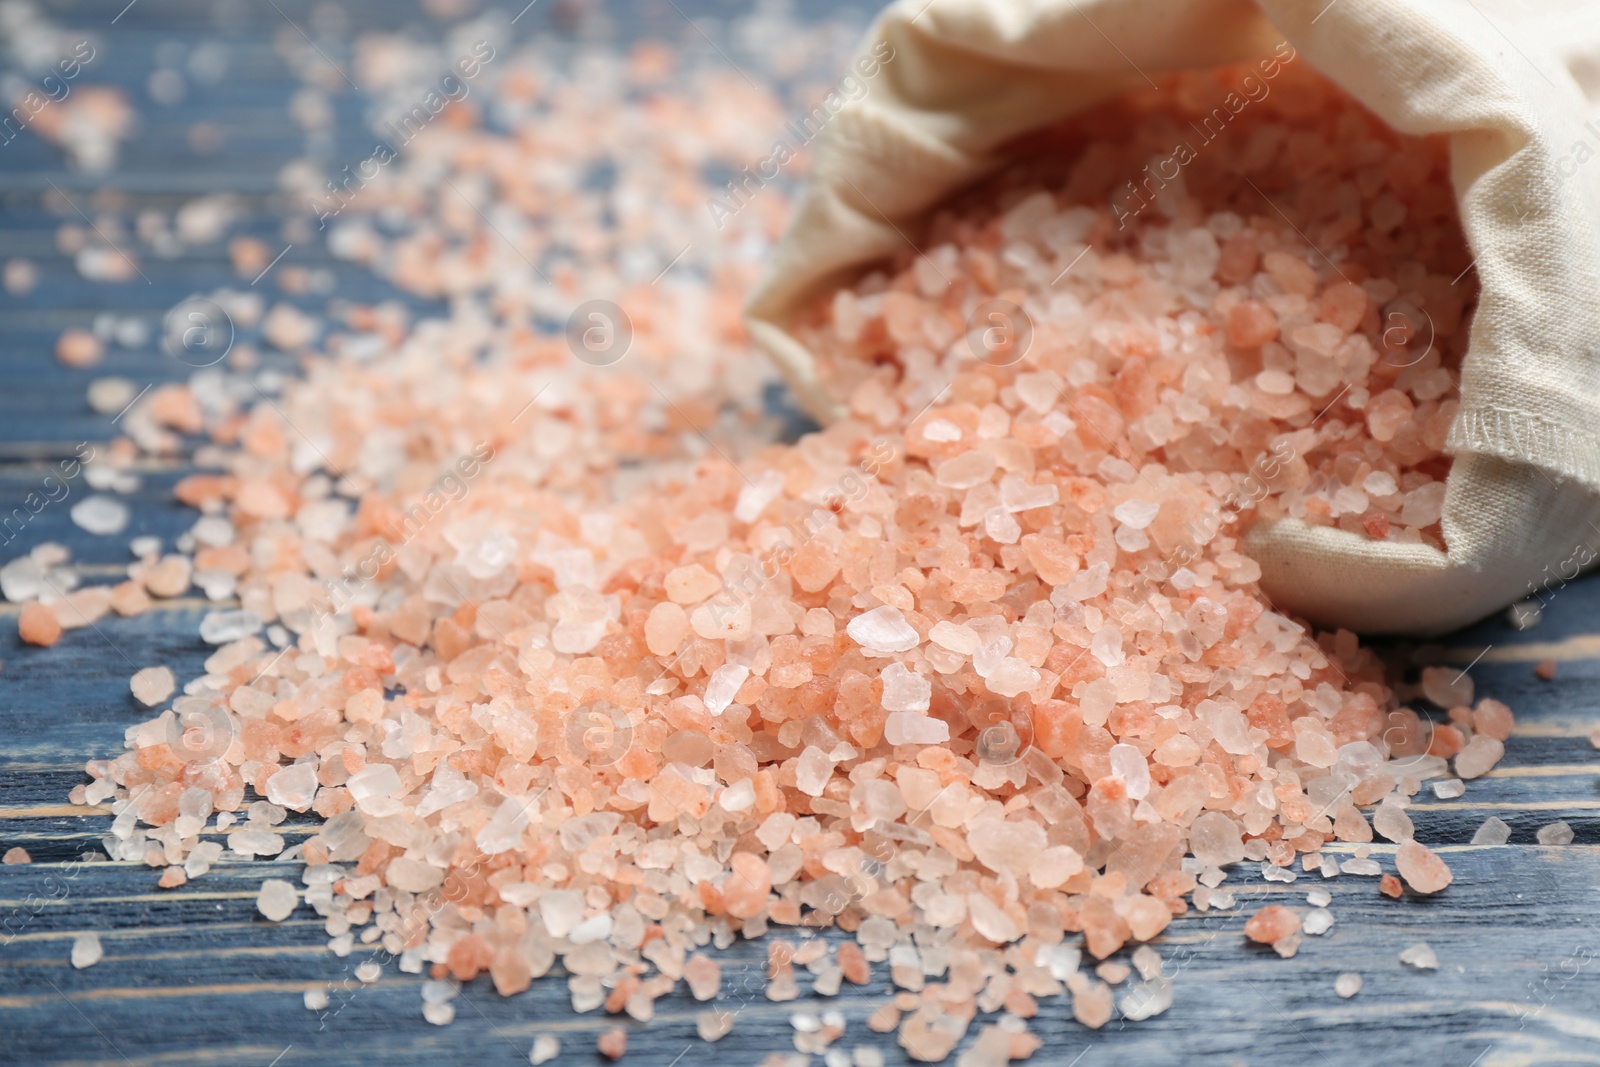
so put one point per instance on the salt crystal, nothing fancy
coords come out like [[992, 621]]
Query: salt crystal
[[941, 430], [1494, 831], [315, 999], [1347, 984], [22, 580], [294, 787], [1318, 921], [152, 685], [1479, 756], [86, 950], [1420, 957], [1447, 686], [755, 497], [911, 728], [1448, 788], [883, 629], [1129, 764], [1135, 513], [1556, 833], [1423, 871], [100, 515], [222, 627], [905, 690], [546, 1047], [1012, 677], [277, 900], [723, 686]]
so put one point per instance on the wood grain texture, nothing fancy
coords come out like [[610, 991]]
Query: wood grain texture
[[195, 977]]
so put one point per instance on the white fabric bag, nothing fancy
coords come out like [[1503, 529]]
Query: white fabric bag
[[1516, 87]]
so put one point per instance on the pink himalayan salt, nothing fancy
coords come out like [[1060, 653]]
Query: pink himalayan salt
[[1447, 687], [704, 976], [1272, 924], [37, 624], [1023, 568], [14, 855], [1479, 756], [1422, 869], [152, 685], [613, 1043], [79, 348]]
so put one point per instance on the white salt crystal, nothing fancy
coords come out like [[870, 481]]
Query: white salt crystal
[[942, 430], [222, 627], [958, 638], [1319, 898], [1317, 921], [1001, 527], [1449, 788], [1017, 495], [373, 782], [813, 769], [756, 495], [294, 787], [315, 999], [1273, 873], [277, 899], [1136, 513], [1216, 840], [883, 629], [1379, 483], [86, 950], [368, 972], [1494, 831], [905, 690], [503, 831], [1421, 957], [723, 686], [1347, 984], [22, 580], [439, 1014], [546, 1047], [1361, 865], [152, 685], [1106, 645], [1147, 998], [911, 728], [1011, 677], [100, 515], [561, 910], [1275, 382], [1556, 833], [1129, 764], [108, 396]]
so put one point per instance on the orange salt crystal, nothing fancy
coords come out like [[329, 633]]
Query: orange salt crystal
[[172, 878], [37, 624], [1389, 886], [1545, 669], [79, 348], [613, 1043], [1422, 869], [1251, 324], [15, 855], [853, 964], [1272, 924]]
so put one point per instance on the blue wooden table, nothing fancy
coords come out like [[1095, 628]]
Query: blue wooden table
[[194, 976]]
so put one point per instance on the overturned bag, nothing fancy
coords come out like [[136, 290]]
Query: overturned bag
[[1519, 100]]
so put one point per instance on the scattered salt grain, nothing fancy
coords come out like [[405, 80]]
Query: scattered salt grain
[[1347, 984], [277, 900], [152, 685], [1420, 957], [1448, 788], [100, 515], [883, 629], [86, 950], [1556, 833], [546, 1047], [1494, 831]]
